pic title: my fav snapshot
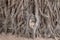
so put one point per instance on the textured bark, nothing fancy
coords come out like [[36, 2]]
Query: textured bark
[[30, 18]]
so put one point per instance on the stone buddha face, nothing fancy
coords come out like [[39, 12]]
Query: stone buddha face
[[32, 21]]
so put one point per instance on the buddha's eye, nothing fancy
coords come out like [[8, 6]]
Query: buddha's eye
[[33, 20]]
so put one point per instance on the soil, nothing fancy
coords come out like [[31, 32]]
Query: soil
[[14, 37]]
